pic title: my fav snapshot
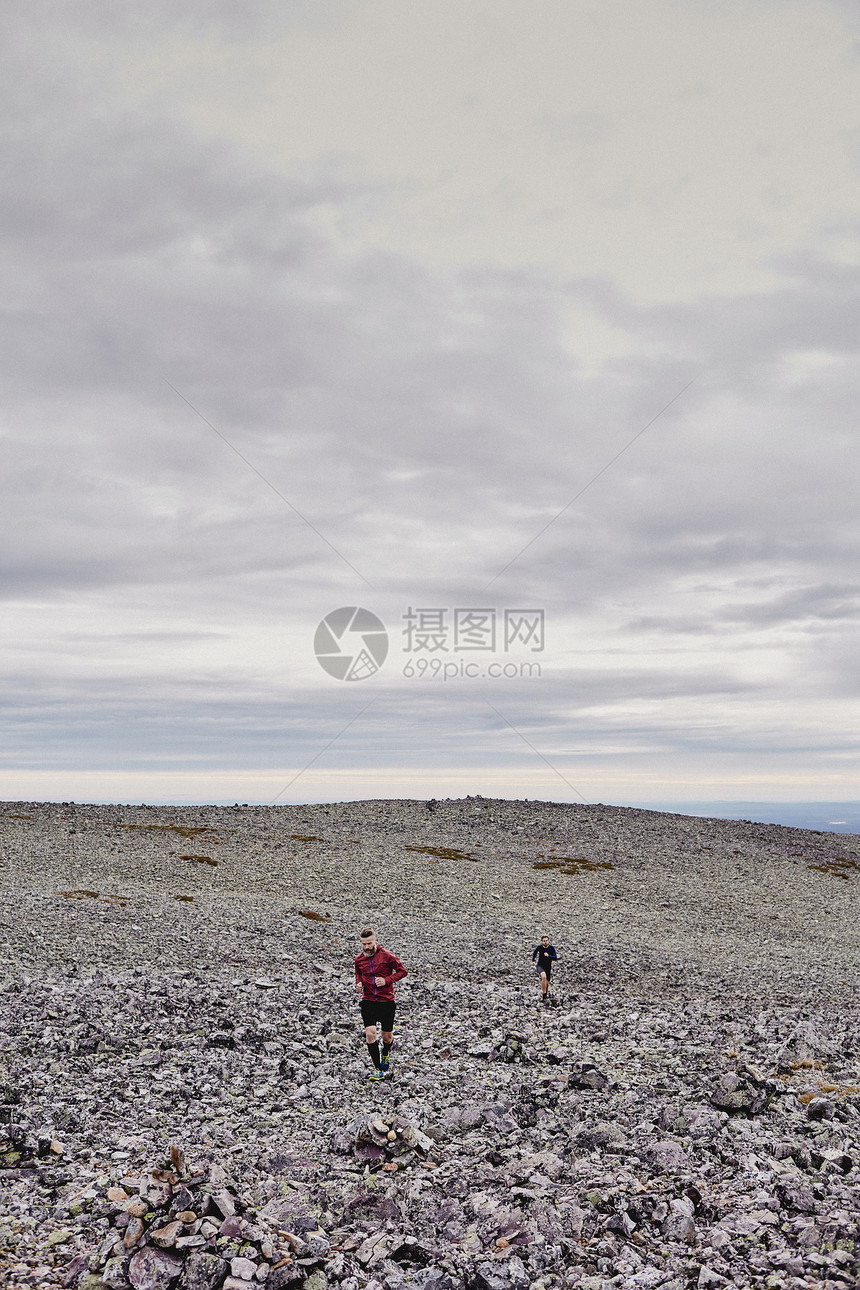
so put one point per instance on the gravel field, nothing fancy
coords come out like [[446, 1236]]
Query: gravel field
[[685, 1114]]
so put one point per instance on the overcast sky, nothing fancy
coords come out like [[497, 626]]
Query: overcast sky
[[324, 303]]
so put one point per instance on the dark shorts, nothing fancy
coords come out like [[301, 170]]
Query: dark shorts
[[547, 967], [378, 1014]]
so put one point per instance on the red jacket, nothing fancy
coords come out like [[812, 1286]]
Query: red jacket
[[381, 963]]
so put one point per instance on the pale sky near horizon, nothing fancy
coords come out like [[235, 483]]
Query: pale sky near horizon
[[334, 303]]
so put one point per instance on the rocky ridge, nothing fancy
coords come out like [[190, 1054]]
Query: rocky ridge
[[184, 1099]]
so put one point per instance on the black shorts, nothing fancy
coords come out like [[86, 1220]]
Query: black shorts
[[375, 1013], [547, 967]]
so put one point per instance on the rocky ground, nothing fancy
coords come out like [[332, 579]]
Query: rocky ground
[[183, 1092]]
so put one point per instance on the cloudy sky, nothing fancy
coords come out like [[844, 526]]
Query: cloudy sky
[[512, 309]]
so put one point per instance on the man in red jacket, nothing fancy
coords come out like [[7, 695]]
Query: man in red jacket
[[375, 973]]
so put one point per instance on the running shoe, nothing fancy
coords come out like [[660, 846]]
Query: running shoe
[[375, 1076], [385, 1065]]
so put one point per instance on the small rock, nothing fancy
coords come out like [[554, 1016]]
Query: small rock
[[680, 1227], [202, 1271], [803, 1047], [243, 1268], [738, 1094], [224, 1203], [153, 1269], [708, 1279], [287, 1275], [669, 1155], [587, 1075], [133, 1232], [113, 1274], [165, 1237]]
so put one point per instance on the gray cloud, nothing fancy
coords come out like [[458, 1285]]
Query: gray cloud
[[124, 26], [429, 426]]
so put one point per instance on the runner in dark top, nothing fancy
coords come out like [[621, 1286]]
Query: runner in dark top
[[375, 974], [544, 955]]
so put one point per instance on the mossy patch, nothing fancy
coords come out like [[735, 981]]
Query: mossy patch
[[313, 915], [82, 893], [835, 1090], [19, 817], [573, 864], [184, 830], [201, 860], [443, 853], [838, 867], [306, 837], [183, 897]]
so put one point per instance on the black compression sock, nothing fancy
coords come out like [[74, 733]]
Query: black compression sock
[[386, 1049], [373, 1049]]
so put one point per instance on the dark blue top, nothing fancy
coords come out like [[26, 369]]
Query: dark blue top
[[545, 955]]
